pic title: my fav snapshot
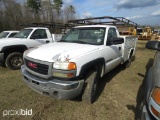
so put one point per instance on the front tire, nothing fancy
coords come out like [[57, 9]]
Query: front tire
[[91, 85], [14, 61]]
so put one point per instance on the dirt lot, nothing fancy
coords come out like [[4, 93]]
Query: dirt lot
[[120, 93]]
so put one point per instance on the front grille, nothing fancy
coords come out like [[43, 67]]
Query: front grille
[[36, 67]]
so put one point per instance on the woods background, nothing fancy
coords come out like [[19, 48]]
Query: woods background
[[14, 13]]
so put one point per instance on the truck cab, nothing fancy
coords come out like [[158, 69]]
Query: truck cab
[[35, 35]]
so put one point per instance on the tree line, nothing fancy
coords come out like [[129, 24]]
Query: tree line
[[14, 13]]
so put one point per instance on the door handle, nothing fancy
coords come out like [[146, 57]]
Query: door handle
[[47, 41], [119, 48]]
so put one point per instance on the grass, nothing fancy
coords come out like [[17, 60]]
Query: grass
[[120, 94]]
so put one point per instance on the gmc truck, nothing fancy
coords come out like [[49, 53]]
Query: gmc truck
[[11, 49], [74, 65]]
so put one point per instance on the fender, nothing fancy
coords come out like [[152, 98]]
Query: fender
[[13, 46], [90, 64], [130, 51], [148, 84]]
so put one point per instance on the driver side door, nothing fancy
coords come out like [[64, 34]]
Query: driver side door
[[38, 37], [113, 54]]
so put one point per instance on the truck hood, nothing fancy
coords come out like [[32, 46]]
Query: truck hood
[[60, 51], [9, 41]]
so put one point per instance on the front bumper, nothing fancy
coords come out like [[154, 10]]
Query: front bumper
[[53, 88], [1, 58], [145, 114]]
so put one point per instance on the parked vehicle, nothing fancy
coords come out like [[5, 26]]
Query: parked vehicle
[[11, 50], [75, 64], [151, 103], [146, 34], [8, 34], [156, 34]]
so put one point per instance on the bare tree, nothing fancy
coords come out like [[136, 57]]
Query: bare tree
[[57, 5], [11, 12], [35, 8], [14, 13], [69, 12]]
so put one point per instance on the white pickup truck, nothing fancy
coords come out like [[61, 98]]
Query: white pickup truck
[[75, 64], [11, 49]]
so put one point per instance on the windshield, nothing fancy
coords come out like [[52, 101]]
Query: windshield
[[3, 34], [23, 33], [87, 35]]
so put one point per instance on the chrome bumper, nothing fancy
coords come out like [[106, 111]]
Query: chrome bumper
[[145, 115], [54, 88]]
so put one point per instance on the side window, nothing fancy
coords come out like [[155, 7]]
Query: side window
[[111, 34], [39, 34]]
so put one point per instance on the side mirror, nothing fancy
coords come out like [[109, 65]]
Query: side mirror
[[155, 45], [35, 36], [109, 41], [118, 40]]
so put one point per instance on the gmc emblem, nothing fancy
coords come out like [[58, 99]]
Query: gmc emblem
[[32, 65]]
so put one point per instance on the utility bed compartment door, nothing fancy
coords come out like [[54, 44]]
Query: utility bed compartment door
[[129, 44]]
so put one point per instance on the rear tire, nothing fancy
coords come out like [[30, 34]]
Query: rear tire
[[127, 63], [91, 85], [14, 61]]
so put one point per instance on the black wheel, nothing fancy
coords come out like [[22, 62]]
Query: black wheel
[[91, 85], [14, 60], [133, 58], [127, 63]]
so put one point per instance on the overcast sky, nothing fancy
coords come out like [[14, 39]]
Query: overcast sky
[[140, 11]]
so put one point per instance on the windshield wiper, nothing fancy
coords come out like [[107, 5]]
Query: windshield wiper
[[78, 41], [82, 42], [62, 41], [74, 41]]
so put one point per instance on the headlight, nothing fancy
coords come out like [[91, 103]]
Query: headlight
[[156, 97], [64, 69], [64, 65]]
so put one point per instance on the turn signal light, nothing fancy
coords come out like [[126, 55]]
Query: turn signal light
[[156, 95], [71, 66], [155, 112], [63, 75]]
